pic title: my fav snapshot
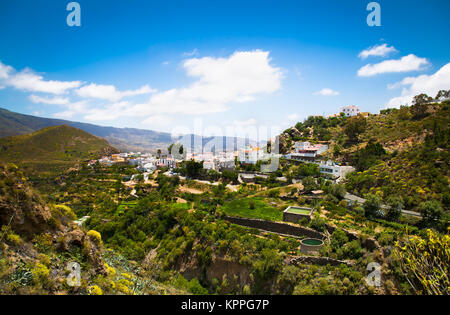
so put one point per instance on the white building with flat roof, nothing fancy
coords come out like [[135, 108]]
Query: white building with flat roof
[[350, 111], [334, 171], [306, 152]]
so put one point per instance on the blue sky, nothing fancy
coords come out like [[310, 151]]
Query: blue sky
[[164, 64]]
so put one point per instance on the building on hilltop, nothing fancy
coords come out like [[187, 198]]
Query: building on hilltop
[[350, 111]]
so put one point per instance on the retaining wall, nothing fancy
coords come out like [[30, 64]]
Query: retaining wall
[[321, 261], [276, 227]]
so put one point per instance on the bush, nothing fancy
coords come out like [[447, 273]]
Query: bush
[[40, 274], [95, 236], [351, 250], [338, 239], [372, 206], [95, 290], [318, 224]]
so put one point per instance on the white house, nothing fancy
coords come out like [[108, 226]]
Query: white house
[[335, 171], [209, 165], [306, 152], [149, 167], [166, 162], [350, 111], [250, 156]]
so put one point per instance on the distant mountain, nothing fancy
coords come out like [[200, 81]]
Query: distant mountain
[[12, 124], [125, 139], [52, 149]]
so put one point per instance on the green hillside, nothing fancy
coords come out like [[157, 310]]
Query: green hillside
[[38, 240], [52, 149], [397, 153]]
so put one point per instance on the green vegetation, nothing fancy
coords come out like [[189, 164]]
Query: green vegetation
[[252, 207], [170, 235], [53, 149], [425, 262]]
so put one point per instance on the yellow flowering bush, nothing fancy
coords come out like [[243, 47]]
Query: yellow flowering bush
[[95, 290], [96, 236], [425, 262]]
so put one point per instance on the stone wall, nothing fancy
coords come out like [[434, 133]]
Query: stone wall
[[321, 261], [295, 217], [276, 227]]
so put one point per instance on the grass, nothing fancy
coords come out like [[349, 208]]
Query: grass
[[299, 211], [125, 205], [181, 206], [241, 208]]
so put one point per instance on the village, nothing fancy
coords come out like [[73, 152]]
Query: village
[[251, 155]]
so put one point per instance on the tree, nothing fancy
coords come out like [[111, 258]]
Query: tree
[[431, 211], [309, 184], [354, 127], [422, 99], [159, 153], [337, 190], [372, 206], [443, 95], [193, 168], [230, 176], [419, 105], [395, 208]]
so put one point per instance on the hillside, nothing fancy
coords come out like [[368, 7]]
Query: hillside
[[125, 139], [52, 149], [38, 241], [13, 124], [399, 152]]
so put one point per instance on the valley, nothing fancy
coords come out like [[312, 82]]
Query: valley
[[139, 223]]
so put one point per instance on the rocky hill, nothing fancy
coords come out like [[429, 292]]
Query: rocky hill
[[39, 243]]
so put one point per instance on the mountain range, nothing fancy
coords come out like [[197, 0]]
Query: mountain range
[[124, 139]]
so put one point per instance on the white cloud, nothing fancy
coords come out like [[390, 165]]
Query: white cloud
[[109, 92], [191, 53], [428, 84], [405, 64], [379, 51], [219, 82], [327, 92], [27, 80], [157, 122], [5, 70], [51, 101], [73, 109], [112, 112]]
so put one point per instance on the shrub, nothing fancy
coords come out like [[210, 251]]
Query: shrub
[[64, 211], [338, 239], [352, 250], [95, 236], [95, 290], [40, 274], [318, 224]]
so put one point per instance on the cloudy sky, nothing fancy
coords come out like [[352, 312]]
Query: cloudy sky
[[165, 64]]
